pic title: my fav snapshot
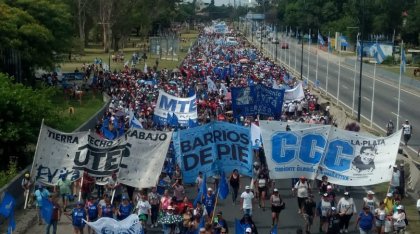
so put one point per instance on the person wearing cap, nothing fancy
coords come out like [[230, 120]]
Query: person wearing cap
[[112, 186], [331, 194], [277, 205], [144, 209], [246, 200], [309, 209], [40, 194], [323, 210], [334, 220], [26, 186], [365, 221], [370, 201], [209, 200], [345, 208], [248, 230], [247, 222], [407, 131], [389, 203], [399, 220], [92, 211], [301, 190], [77, 215], [124, 208], [63, 186], [324, 184], [380, 218]]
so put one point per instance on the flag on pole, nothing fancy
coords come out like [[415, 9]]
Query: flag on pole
[[211, 86], [223, 187], [403, 59], [239, 228], [135, 123], [378, 53], [46, 210], [7, 209], [320, 39]]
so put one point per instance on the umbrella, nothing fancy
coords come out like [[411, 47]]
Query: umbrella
[[170, 219]]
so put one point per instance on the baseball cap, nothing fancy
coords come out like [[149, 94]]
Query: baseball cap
[[124, 198], [275, 190], [333, 208], [325, 195], [329, 187], [26, 174], [248, 230], [370, 192], [389, 194], [170, 208], [346, 193], [247, 187], [400, 207], [209, 189]]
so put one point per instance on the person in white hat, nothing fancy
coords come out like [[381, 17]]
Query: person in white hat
[[246, 200], [399, 219], [370, 201], [346, 209], [277, 205], [389, 202], [248, 230], [209, 200], [324, 209]]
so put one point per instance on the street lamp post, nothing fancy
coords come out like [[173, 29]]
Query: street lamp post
[[359, 107], [301, 57]]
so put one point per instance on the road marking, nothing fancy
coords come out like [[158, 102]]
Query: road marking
[[394, 113], [366, 98], [344, 86]]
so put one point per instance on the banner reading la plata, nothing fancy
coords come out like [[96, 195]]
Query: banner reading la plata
[[347, 158], [257, 100], [181, 109], [212, 148], [137, 158]]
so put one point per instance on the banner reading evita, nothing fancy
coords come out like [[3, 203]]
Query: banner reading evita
[[213, 148], [137, 158], [347, 158], [183, 109]]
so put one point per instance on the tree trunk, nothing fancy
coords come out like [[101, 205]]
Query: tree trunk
[[81, 18]]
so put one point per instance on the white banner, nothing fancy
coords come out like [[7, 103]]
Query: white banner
[[130, 225], [296, 93], [137, 158], [347, 158], [255, 136], [184, 108]]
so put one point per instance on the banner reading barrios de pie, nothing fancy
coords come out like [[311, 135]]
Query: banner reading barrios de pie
[[137, 158], [347, 158]]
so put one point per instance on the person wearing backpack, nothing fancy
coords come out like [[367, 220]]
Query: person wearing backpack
[[400, 220]]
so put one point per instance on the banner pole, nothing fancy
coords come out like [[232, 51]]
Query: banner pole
[[33, 163], [215, 204], [113, 195], [81, 185]]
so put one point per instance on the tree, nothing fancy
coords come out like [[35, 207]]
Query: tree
[[21, 112]]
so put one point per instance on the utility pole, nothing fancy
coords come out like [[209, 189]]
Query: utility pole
[[359, 107]]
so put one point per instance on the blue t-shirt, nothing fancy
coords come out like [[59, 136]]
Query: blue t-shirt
[[77, 217], [366, 221], [107, 211], [93, 211], [125, 211], [209, 201]]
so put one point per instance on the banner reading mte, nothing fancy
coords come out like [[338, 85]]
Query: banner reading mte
[[347, 158], [137, 158], [213, 148], [183, 109], [257, 100]]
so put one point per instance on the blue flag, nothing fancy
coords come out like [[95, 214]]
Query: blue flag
[[7, 209], [135, 123], [46, 210], [192, 123], [223, 187], [274, 230], [201, 191], [174, 120], [321, 40]]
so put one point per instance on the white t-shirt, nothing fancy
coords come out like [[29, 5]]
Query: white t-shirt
[[395, 181], [325, 207], [371, 203], [302, 189], [346, 206], [143, 207], [247, 197], [380, 213]]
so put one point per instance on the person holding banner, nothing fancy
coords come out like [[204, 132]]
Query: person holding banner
[[64, 187], [27, 185], [114, 188], [234, 181], [209, 200]]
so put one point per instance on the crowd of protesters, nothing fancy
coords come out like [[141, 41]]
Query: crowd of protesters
[[134, 92]]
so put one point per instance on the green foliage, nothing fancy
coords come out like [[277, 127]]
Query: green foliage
[[7, 175], [389, 60], [21, 112]]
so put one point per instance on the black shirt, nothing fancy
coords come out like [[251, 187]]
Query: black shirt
[[309, 206]]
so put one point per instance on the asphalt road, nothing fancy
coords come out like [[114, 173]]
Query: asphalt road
[[290, 220], [386, 86]]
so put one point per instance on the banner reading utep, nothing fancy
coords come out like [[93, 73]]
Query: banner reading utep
[[257, 100], [137, 158], [184, 109], [213, 148], [347, 158]]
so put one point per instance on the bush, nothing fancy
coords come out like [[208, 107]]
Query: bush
[[7, 175], [388, 60]]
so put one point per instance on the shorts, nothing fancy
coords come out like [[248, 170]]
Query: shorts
[[379, 223], [262, 189], [309, 219], [275, 209]]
